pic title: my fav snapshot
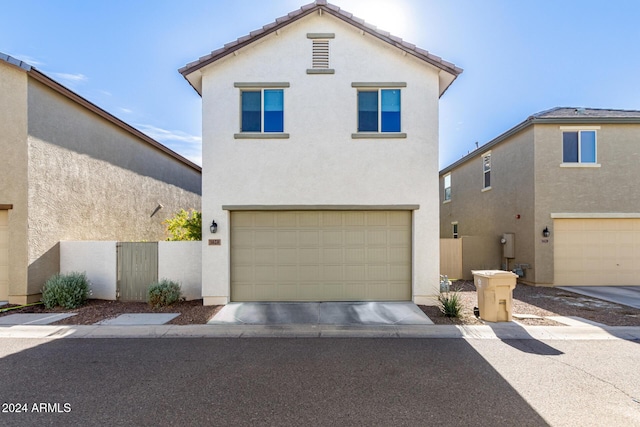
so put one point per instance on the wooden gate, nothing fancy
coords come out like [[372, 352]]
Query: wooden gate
[[137, 269]]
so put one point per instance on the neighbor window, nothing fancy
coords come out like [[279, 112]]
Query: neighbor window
[[447, 187], [379, 110], [262, 110], [579, 146], [454, 226], [486, 171]]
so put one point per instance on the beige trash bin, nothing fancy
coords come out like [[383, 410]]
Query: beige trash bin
[[495, 294]]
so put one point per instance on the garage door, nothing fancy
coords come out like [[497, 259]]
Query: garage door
[[4, 255], [321, 256], [597, 252]]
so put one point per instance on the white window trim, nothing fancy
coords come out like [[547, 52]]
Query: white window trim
[[454, 230], [379, 86], [488, 153], [580, 163], [444, 187]]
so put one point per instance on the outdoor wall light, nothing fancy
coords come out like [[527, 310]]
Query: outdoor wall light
[[213, 227], [546, 232]]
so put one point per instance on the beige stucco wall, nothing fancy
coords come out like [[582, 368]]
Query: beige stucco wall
[[13, 168], [91, 180], [320, 164], [609, 188], [489, 214]]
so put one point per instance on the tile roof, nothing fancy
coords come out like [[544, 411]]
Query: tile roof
[[573, 112], [338, 13]]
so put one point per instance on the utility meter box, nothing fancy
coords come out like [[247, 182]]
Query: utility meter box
[[508, 245], [495, 294]]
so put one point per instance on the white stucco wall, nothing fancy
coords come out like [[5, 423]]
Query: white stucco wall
[[182, 262], [320, 164], [98, 260]]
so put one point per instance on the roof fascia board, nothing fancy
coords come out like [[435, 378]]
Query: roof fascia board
[[49, 82]]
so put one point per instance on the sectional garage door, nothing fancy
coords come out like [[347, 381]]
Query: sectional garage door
[[597, 252], [321, 256], [4, 255]]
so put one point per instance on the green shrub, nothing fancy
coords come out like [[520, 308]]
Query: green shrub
[[163, 293], [66, 290], [450, 303]]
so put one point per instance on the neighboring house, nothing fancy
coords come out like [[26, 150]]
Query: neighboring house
[[72, 171], [320, 160], [563, 182]]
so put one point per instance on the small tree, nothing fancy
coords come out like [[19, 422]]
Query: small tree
[[184, 225]]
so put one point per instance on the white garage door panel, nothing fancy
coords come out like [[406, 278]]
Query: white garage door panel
[[321, 256], [597, 252], [4, 255]]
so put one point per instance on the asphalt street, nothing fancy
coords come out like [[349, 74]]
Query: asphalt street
[[271, 381]]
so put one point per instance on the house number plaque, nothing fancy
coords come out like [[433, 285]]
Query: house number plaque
[[215, 242]]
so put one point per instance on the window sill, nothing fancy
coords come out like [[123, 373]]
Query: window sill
[[485, 189], [378, 135], [321, 71], [580, 165], [446, 201], [261, 135]]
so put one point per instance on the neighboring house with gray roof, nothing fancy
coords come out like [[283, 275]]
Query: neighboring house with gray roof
[[563, 183], [320, 162], [72, 171]]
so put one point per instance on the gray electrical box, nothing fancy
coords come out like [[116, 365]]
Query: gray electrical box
[[508, 245]]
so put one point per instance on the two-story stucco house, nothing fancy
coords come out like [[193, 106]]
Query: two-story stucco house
[[71, 171], [320, 162], [562, 183]]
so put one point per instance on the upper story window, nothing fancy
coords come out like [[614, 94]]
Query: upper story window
[[261, 110], [379, 110], [447, 187], [486, 171], [579, 146]]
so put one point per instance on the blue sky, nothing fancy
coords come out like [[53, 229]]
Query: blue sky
[[519, 56]]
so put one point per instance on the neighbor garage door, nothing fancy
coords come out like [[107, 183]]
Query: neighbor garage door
[[321, 256], [4, 255], [597, 252]]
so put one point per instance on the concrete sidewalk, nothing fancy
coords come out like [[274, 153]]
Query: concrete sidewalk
[[502, 331]]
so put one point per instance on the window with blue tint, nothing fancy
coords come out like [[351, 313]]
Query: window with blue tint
[[273, 110], [390, 110], [368, 111], [588, 146], [579, 147], [251, 111]]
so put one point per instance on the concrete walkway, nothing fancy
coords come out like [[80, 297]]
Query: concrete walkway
[[624, 295]]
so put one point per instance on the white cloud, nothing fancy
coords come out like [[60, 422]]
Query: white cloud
[[70, 78], [189, 146], [28, 59], [126, 110]]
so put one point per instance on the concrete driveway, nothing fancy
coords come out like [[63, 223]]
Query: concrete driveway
[[624, 295], [321, 313]]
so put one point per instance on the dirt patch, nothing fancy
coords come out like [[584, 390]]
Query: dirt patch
[[540, 302], [191, 312]]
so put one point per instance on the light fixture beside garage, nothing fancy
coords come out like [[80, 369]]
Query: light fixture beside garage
[[546, 232], [213, 227]]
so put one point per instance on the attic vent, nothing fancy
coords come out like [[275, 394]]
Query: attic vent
[[320, 54]]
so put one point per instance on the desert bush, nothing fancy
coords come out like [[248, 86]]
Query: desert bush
[[163, 293], [66, 290], [450, 303]]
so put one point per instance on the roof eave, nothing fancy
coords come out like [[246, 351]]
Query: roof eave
[[268, 29]]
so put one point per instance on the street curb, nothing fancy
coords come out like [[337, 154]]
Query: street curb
[[494, 331]]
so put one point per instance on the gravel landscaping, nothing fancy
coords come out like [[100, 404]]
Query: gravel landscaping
[[536, 303]]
